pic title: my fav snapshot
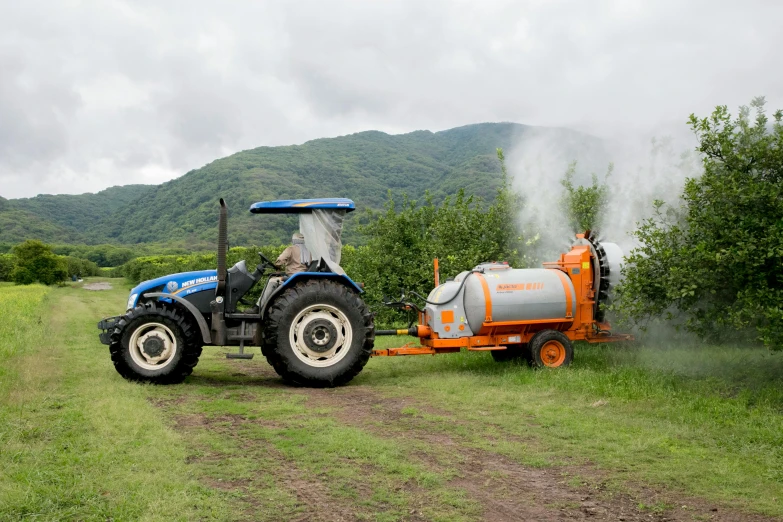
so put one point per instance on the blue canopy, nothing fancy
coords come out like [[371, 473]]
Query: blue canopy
[[298, 206]]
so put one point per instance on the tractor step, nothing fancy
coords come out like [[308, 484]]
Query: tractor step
[[240, 337], [244, 316], [239, 355]]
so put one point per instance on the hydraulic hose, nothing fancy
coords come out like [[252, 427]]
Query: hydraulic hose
[[450, 299], [413, 330]]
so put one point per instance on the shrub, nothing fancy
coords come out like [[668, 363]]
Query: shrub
[[35, 262], [716, 260], [7, 263]]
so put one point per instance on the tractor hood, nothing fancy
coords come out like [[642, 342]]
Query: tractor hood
[[182, 284]]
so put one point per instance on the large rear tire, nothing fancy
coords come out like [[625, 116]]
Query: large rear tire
[[318, 333], [155, 343], [551, 349]]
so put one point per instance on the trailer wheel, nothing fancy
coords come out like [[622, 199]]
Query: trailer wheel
[[318, 334], [513, 353], [155, 343], [551, 349]]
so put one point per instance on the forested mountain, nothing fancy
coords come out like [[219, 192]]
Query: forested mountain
[[362, 166], [63, 218]]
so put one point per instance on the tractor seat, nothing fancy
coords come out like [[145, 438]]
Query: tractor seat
[[317, 265]]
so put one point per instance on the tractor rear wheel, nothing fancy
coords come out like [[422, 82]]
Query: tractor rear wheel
[[551, 349], [513, 353], [155, 343], [318, 333]]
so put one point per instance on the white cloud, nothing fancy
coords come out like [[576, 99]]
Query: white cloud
[[94, 94]]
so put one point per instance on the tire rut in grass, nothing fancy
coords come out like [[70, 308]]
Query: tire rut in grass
[[313, 499], [506, 489]]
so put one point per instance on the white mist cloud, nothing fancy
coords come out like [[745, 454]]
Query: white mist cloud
[[645, 169]]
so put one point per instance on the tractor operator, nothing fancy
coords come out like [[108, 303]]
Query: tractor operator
[[294, 259]]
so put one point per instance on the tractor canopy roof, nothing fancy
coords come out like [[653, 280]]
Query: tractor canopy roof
[[320, 221], [299, 206]]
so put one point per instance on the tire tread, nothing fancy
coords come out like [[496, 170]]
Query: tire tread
[[312, 292], [191, 349]]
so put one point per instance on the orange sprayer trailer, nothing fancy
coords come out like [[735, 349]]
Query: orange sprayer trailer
[[532, 313]]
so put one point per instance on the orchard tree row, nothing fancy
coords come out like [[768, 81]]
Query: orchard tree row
[[710, 261]]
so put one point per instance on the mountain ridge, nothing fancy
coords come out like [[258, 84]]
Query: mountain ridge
[[363, 166]]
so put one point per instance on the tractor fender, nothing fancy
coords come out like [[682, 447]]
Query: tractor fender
[[202, 324], [304, 276]]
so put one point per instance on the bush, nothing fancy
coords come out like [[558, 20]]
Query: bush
[[716, 261], [35, 262], [402, 242], [7, 264], [151, 267], [584, 207], [80, 267]]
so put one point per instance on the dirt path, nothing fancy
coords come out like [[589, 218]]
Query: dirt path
[[97, 286], [506, 490]]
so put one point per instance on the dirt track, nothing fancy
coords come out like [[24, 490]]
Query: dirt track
[[505, 490]]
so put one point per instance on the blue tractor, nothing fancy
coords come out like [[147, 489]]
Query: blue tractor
[[313, 327]]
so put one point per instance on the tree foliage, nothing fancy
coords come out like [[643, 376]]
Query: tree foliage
[[150, 267], [716, 260], [403, 240], [106, 255], [35, 262], [584, 206], [79, 267], [7, 264]]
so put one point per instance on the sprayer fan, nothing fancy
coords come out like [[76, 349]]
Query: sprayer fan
[[607, 270]]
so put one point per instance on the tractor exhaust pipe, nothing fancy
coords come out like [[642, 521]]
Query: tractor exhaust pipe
[[222, 248]]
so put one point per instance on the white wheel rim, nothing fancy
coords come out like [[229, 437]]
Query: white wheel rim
[[153, 346], [320, 349]]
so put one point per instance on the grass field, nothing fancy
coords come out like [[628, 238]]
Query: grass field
[[627, 433]]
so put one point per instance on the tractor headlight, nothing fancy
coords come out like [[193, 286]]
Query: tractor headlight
[[132, 301]]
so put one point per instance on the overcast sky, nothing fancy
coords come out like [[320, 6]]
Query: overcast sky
[[95, 94]]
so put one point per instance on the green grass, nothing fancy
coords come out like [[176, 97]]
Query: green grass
[[706, 420], [76, 443], [232, 443]]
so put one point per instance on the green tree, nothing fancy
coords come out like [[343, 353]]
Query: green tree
[[502, 219], [584, 206], [7, 263], [35, 262], [716, 260], [76, 266], [403, 240]]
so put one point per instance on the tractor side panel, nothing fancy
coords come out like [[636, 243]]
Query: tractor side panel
[[201, 299]]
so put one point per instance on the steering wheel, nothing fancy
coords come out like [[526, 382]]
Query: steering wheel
[[265, 259]]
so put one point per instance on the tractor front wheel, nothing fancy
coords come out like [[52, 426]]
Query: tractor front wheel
[[318, 333], [155, 343], [551, 349]]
